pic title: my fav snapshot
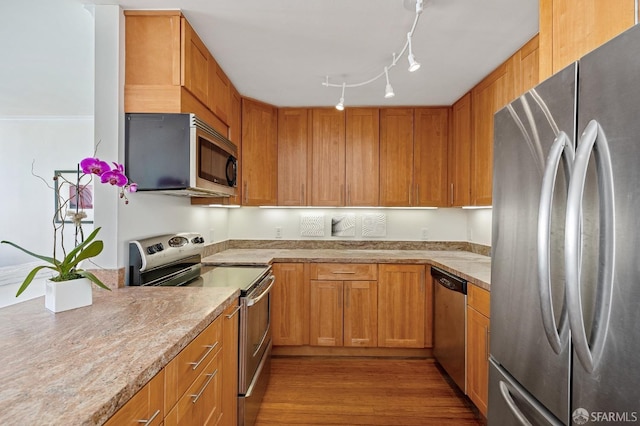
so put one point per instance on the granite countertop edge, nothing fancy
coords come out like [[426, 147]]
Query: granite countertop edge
[[475, 268]]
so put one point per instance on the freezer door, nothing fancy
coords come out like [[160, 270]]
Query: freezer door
[[511, 404], [524, 134], [607, 360]]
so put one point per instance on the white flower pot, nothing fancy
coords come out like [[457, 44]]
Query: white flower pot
[[65, 295]]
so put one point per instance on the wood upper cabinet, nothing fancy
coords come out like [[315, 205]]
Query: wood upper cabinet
[[459, 190], [527, 66], [145, 407], [235, 135], [259, 153], [362, 156], [396, 153], [290, 305], [491, 94], [571, 28], [230, 325], [219, 94], [478, 335], [167, 66], [328, 157], [294, 136], [195, 74], [402, 306], [430, 157]]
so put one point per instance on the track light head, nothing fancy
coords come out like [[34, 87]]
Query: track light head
[[388, 92], [340, 105], [413, 64]]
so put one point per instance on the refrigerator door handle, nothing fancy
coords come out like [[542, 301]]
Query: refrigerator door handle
[[506, 395], [561, 147], [593, 140]]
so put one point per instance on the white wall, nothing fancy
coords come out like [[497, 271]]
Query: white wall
[[402, 224], [479, 226]]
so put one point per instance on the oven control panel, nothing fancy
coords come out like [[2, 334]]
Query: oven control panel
[[150, 253]]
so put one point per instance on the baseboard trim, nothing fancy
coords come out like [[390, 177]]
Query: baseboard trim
[[352, 352]]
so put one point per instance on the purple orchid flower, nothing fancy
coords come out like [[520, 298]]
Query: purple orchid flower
[[133, 187], [115, 176], [94, 166]]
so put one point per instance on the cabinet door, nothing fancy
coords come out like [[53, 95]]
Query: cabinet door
[[478, 359], [325, 319], [460, 153], [430, 146], [362, 156], [396, 153], [361, 313], [230, 364], [401, 306], [145, 407], [491, 94], [259, 153], [293, 155], [328, 157], [235, 135], [290, 305], [571, 28], [527, 66], [195, 63], [219, 91]]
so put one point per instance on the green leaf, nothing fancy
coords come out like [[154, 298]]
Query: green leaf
[[30, 276], [81, 246], [94, 249], [94, 279], [50, 260]]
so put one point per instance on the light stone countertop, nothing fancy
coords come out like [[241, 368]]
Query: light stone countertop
[[475, 268], [79, 367]]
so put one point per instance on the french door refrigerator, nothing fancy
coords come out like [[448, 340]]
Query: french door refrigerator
[[565, 284]]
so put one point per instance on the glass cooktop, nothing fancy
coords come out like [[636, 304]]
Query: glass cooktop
[[240, 277]]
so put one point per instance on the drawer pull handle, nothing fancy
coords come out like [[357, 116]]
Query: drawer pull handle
[[344, 272], [235, 311], [148, 422], [206, 354], [199, 394]]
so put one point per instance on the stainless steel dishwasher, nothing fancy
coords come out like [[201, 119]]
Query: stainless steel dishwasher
[[450, 323]]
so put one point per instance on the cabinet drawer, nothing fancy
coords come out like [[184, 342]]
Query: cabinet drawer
[[201, 404], [146, 406], [479, 299], [191, 362], [344, 271]]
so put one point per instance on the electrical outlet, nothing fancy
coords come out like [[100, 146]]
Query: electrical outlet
[[425, 233], [278, 232]]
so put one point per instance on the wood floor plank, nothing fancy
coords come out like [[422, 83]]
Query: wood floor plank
[[348, 391]]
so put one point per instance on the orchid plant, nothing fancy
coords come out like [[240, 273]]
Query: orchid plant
[[68, 268]]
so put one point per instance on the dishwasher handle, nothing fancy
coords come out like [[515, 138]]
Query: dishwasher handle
[[448, 280]]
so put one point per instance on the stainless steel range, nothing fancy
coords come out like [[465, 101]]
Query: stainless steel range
[[175, 260]]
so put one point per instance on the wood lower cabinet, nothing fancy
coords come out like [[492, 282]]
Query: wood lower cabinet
[[290, 305], [478, 335], [230, 329], [259, 153], [145, 407], [402, 306], [193, 380], [343, 304]]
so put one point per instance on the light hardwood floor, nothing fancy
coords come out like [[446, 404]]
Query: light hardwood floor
[[347, 391]]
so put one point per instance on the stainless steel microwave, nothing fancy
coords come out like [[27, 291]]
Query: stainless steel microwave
[[179, 154]]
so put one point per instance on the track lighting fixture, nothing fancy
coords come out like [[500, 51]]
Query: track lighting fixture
[[413, 64], [388, 90], [340, 105]]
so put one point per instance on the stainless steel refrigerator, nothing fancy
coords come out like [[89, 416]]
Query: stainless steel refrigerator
[[565, 284]]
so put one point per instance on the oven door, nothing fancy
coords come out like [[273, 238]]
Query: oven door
[[255, 331]]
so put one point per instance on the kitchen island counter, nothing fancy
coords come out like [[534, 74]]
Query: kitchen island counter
[[81, 366], [473, 267]]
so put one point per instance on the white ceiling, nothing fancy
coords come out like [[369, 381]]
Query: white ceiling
[[277, 51]]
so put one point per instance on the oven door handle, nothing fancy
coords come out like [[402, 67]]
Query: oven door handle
[[253, 301]]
